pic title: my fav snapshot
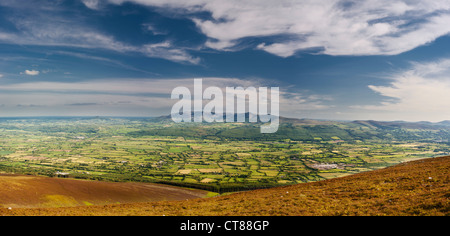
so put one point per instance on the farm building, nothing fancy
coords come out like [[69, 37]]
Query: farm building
[[62, 175]]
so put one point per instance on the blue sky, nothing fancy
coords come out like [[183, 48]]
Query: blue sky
[[332, 59]]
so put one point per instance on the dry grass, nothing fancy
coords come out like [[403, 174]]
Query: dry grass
[[33, 192], [415, 188]]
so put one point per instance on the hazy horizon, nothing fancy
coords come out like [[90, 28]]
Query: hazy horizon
[[159, 116]]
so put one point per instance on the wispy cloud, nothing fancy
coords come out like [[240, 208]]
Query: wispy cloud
[[112, 62], [167, 51], [334, 27], [154, 29], [48, 25]]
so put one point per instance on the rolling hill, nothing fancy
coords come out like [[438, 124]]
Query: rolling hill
[[413, 188]]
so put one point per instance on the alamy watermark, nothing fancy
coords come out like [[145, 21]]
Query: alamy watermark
[[231, 107]]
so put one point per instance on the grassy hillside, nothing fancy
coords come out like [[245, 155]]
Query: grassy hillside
[[18, 191], [414, 188]]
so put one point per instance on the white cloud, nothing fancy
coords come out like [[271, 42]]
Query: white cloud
[[93, 4], [167, 51], [31, 72], [134, 97], [338, 27], [420, 93]]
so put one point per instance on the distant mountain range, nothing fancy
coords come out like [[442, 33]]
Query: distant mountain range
[[168, 118], [290, 128], [405, 125], [306, 130]]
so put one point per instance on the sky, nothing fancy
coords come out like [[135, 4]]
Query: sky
[[331, 59]]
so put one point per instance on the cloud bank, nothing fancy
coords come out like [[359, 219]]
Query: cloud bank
[[130, 97], [417, 94]]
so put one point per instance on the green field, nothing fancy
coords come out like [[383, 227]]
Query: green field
[[217, 157]]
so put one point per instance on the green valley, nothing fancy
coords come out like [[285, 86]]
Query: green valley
[[218, 157]]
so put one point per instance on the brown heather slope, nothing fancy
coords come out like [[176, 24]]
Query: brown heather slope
[[18, 191], [415, 188]]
